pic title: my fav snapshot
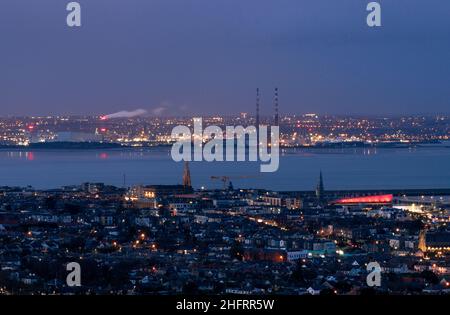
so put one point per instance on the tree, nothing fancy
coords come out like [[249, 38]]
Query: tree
[[430, 276], [237, 251], [50, 203], [303, 274], [190, 288]]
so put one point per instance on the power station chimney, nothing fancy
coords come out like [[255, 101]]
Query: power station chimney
[[257, 122], [257, 109], [276, 120]]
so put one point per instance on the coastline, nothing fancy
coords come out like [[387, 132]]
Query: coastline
[[112, 146]]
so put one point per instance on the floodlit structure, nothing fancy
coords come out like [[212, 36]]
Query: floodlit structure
[[376, 199]]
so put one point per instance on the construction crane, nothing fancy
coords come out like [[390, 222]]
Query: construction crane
[[226, 179]]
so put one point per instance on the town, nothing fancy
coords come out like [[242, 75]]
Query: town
[[174, 239], [305, 130]]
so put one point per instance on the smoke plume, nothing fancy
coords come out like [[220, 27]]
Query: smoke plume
[[126, 114]]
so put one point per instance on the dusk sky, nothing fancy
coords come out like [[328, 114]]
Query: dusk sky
[[208, 56]]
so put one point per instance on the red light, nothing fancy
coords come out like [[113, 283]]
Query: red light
[[103, 129], [366, 199], [103, 117], [30, 156], [30, 127]]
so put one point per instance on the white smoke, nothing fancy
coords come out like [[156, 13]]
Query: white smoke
[[126, 114], [158, 111]]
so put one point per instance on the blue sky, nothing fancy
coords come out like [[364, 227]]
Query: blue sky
[[208, 56]]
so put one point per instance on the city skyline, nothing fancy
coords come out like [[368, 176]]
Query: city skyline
[[196, 57], [224, 154]]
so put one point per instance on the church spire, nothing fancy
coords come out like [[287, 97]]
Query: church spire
[[422, 240], [320, 188], [187, 176]]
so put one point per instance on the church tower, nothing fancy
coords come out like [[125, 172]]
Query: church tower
[[422, 240], [187, 176], [320, 188]]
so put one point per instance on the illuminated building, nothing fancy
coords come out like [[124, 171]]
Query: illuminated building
[[156, 191], [422, 240], [437, 242], [369, 200]]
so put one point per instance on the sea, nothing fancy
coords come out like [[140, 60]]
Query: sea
[[342, 168]]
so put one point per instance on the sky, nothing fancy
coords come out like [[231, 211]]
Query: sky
[[203, 57]]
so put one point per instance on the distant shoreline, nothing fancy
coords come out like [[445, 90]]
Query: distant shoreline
[[112, 146]]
